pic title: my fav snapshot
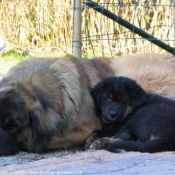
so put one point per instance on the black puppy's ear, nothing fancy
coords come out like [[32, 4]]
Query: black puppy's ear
[[96, 93], [135, 92]]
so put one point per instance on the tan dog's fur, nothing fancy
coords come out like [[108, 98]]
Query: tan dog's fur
[[55, 95], [57, 102], [154, 72]]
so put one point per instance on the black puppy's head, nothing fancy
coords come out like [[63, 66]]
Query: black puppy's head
[[116, 97], [27, 117]]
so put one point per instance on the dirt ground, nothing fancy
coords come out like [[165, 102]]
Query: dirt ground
[[4, 67], [24, 157], [92, 162]]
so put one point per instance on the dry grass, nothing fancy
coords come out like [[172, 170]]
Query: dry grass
[[37, 25], [46, 26], [108, 37]]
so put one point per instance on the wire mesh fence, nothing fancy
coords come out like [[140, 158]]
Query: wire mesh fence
[[46, 26], [102, 36]]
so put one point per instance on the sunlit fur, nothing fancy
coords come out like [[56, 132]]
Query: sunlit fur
[[154, 72], [45, 103]]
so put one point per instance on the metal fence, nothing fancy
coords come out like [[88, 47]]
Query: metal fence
[[103, 36]]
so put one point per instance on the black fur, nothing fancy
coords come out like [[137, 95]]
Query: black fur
[[10, 127], [8, 144], [147, 121]]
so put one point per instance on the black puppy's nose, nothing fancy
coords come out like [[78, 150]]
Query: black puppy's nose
[[112, 114]]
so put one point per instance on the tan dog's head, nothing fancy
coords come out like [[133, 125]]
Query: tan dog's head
[[25, 117]]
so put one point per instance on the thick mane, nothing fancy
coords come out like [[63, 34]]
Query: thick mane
[[56, 92]]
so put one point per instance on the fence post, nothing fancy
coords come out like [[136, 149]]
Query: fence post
[[77, 43]]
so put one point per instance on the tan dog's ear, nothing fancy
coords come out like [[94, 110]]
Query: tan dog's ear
[[45, 123], [7, 92], [96, 93]]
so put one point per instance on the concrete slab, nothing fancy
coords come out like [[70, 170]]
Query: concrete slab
[[143, 164], [98, 162]]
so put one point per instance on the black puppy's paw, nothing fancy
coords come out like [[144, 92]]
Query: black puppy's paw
[[100, 143]]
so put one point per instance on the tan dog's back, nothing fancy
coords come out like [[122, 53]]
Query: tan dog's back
[[154, 72]]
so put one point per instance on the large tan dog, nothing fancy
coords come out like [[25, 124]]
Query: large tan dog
[[45, 103]]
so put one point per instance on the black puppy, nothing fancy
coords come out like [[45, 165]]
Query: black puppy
[[147, 121]]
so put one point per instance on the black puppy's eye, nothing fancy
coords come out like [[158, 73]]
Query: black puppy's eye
[[119, 98], [109, 98]]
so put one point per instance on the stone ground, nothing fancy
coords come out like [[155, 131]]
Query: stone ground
[[4, 66], [77, 161], [91, 162]]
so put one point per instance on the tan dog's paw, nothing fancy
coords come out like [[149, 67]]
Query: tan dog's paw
[[88, 144], [99, 144], [93, 137]]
